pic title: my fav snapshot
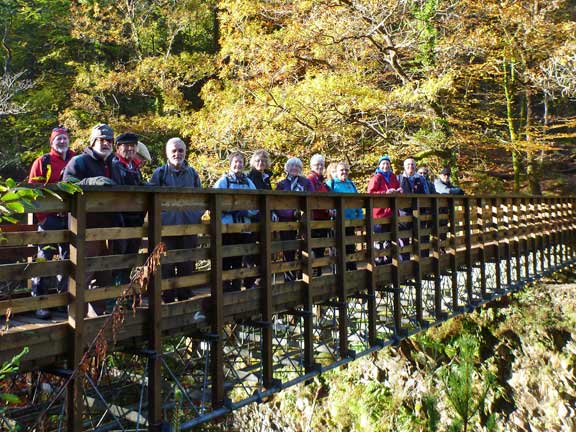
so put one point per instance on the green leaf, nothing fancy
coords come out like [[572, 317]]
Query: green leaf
[[54, 194], [16, 207], [10, 196], [9, 219], [69, 188], [10, 183], [10, 398]]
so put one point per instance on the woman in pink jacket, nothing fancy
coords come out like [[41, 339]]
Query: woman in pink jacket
[[384, 181]]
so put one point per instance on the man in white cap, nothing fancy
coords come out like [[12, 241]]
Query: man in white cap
[[94, 168]]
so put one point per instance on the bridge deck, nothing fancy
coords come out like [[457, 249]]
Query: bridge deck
[[413, 269]]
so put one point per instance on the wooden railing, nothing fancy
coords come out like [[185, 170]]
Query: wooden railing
[[451, 255]]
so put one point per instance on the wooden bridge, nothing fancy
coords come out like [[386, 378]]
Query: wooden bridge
[[187, 362]]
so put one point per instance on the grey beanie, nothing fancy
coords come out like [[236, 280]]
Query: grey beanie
[[101, 130]]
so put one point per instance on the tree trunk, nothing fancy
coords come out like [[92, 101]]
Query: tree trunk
[[508, 91], [532, 169]]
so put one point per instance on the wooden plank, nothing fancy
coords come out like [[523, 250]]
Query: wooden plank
[[116, 200], [15, 253], [26, 238], [17, 227], [21, 271], [115, 233], [28, 304], [114, 262], [182, 230]]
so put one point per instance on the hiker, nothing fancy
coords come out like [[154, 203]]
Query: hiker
[[48, 169], [178, 173]]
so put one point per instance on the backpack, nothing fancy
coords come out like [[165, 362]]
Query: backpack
[[230, 180], [47, 168]]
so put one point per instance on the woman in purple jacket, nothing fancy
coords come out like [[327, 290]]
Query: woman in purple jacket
[[294, 182]]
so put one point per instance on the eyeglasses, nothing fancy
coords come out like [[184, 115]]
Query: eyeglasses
[[178, 151]]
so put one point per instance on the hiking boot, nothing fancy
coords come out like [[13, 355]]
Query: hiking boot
[[43, 314]]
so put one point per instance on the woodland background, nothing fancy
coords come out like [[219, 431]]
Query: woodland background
[[486, 87]]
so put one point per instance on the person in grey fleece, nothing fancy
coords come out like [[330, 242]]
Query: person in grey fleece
[[443, 185], [177, 173]]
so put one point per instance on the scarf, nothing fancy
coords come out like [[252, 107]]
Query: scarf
[[387, 174], [295, 185]]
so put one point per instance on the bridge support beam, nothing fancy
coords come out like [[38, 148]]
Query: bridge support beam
[[76, 312], [154, 321]]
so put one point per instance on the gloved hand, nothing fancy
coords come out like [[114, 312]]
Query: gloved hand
[[97, 181]]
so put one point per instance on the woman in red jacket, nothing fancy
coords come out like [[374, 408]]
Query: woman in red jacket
[[383, 181]]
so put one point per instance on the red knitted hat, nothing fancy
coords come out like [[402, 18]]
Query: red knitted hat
[[60, 130]]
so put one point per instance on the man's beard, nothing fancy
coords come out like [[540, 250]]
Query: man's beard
[[101, 155]]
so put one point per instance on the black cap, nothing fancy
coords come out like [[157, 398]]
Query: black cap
[[446, 171], [127, 138]]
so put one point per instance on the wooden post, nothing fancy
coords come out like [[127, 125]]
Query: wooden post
[[76, 312], [307, 283], [217, 296], [534, 230], [372, 315], [482, 226], [436, 260], [468, 243], [453, 247], [548, 231], [496, 233], [155, 319], [516, 213], [341, 277], [418, 257], [266, 287], [563, 225], [395, 238], [525, 233], [508, 242]]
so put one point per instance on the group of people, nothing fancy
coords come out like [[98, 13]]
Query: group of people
[[98, 164]]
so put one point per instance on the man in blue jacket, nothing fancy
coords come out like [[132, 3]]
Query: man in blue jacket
[[177, 173]]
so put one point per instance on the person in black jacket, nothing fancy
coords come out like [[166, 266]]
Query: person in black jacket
[[94, 168], [412, 183], [260, 173]]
